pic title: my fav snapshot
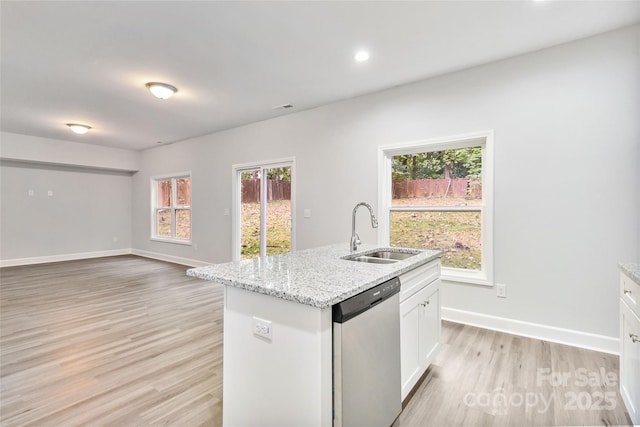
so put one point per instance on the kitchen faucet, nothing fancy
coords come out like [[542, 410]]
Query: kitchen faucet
[[355, 239]]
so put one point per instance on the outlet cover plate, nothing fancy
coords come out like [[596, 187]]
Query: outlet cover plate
[[501, 290], [262, 328]]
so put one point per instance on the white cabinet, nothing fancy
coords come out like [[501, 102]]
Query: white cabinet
[[630, 346], [419, 322]]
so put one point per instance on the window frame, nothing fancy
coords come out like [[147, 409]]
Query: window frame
[[484, 139], [155, 209], [236, 221]]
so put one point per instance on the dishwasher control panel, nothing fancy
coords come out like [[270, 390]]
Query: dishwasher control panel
[[357, 304]]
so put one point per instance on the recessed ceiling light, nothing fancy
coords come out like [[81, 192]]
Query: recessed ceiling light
[[161, 90], [361, 56], [78, 128]]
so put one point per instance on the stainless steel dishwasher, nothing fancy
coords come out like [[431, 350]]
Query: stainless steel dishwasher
[[366, 358]]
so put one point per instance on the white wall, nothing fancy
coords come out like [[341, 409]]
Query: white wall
[[35, 149], [89, 212], [567, 188]]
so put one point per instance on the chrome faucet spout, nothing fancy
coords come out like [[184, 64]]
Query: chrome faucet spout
[[355, 239]]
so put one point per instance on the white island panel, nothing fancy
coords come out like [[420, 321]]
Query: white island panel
[[286, 381]]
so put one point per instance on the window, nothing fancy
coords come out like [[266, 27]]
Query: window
[[438, 195], [264, 206], [171, 208]]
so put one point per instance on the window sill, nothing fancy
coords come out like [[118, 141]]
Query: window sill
[[465, 276], [177, 241]]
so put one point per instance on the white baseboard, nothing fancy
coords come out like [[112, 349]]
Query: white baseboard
[[170, 258], [570, 337], [64, 257], [100, 254]]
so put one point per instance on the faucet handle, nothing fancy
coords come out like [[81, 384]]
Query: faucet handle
[[374, 222], [358, 241]]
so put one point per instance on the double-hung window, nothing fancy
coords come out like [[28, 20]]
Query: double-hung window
[[437, 194], [171, 208]]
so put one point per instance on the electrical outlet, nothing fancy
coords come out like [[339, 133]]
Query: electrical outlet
[[307, 213], [262, 328], [501, 290]]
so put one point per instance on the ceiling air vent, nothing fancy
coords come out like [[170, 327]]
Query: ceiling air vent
[[283, 107]]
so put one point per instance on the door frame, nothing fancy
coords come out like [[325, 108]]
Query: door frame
[[236, 197]]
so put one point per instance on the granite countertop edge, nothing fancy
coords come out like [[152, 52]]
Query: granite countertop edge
[[631, 269], [317, 277]]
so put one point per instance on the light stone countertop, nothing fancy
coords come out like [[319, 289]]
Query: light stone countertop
[[631, 269], [317, 277]]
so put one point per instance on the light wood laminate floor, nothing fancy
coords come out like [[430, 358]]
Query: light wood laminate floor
[[113, 341], [124, 341], [488, 378]]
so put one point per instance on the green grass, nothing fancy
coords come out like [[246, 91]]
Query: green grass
[[458, 234], [183, 229], [278, 228]]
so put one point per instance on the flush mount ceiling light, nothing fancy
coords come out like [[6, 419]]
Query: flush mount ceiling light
[[361, 56], [78, 128], [161, 90]]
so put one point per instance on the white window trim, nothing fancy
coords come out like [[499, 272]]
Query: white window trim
[[154, 195], [236, 197], [485, 276]]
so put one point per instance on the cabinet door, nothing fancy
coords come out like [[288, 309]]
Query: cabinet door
[[419, 334], [410, 343], [429, 329], [630, 362]]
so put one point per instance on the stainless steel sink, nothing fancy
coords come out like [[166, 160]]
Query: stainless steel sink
[[382, 256], [392, 255], [372, 260]]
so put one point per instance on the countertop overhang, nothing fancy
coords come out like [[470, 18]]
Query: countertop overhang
[[318, 277], [631, 269]]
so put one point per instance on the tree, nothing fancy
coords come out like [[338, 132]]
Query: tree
[[276, 174], [448, 164]]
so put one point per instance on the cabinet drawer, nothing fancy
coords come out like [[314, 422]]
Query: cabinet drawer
[[414, 280], [629, 292]]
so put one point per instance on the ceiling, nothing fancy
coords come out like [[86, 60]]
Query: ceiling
[[88, 61]]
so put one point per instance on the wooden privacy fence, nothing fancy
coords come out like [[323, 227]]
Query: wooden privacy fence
[[276, 190], [456, 187], [183, 192]]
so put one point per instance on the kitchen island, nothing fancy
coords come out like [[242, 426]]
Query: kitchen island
[[278, 329]]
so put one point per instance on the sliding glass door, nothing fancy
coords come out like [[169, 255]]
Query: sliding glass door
[[263, 209]]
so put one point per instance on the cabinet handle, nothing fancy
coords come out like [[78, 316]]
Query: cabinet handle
[[634, 338], [424, 304], [626, 292]]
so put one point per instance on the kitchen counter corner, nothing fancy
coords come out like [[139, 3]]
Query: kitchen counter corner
[[631, 269]]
